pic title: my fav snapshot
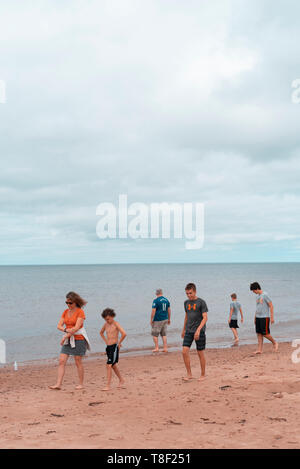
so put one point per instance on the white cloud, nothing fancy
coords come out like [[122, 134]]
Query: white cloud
[[163, 100]]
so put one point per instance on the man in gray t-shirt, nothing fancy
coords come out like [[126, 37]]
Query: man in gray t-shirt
[[264, 315], [194, 329]]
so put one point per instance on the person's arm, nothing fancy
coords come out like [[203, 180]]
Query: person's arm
[[78, 325], [230, 315], [60, 325], [202, 324], [184, 326], [242, 316], [61, 328], [102, 334], [122, 332], [271, 311], [152, 316], [169, 315]]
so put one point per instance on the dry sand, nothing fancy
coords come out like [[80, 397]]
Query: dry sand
[[246, 401]]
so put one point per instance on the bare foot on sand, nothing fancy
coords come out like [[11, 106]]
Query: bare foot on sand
[[55, 388], [122, 385], [79, 387], [257, 352], [165, 350], [275, 347], [155, 350], [107, 388], [188, 378], [202, 378]]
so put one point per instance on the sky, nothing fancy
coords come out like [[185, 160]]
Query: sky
[[161, 100]]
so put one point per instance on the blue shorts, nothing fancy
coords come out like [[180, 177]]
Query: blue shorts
[[189, 337]]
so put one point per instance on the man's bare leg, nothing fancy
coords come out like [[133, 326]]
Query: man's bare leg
[[155, 339], [164, 338], [187, 362], [275, 344], [121, 380], [61, 371], [78, 361], [260, 339], [108, 369], [201, 356]]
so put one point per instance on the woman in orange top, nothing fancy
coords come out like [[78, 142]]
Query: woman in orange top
[[70, 322]]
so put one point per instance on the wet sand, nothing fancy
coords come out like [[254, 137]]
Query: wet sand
[[246, 401]]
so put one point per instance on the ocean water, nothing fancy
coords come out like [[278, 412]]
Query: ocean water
[[33, 299]]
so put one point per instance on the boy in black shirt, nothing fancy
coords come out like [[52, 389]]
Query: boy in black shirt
[[194, 329]]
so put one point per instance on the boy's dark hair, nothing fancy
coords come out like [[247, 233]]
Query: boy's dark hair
[[108, 312], [255, 286], [190, 286], [233, 296]]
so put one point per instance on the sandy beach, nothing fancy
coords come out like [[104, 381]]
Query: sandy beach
[[246, 401]]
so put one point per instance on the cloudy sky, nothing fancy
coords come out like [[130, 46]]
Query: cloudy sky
[[162, 100]]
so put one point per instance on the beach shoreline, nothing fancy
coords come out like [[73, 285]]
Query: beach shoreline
[[135, 351], [132, 352], [246, 401]]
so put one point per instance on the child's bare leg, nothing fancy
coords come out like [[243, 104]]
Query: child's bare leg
[[78, 361], [155, 339], [260, 339], [107, 387], [187, 362], [61, 371], [236, 337], [275, 344], [117, 372], [201, 356]]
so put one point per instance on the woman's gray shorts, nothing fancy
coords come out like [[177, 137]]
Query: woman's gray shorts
[[78, 351], [160, 328]]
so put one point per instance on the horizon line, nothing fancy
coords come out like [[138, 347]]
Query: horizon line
[[149, 263]]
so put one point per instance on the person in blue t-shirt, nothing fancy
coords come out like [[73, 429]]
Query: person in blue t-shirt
[[160, 318]]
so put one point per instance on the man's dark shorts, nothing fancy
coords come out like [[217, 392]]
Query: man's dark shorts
[[189, 337], [262, 326]]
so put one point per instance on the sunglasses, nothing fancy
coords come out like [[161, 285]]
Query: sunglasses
[[69, 302]]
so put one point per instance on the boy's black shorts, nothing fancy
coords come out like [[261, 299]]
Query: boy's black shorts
[[262, 326], [112, 352], [233, 324], [189, 337]]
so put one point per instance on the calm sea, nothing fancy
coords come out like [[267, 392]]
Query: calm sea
[[33, 299]]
